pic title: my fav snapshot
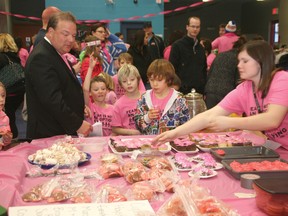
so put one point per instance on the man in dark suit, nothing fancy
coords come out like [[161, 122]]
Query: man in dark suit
[[55, 99]]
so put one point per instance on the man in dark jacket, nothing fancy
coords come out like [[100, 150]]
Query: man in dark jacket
[[189, 60], [155, 43], [55, 99]]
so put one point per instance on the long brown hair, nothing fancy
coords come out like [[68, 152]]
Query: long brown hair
[[263, 53]]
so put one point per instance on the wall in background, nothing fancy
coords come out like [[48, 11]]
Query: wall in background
[[99, 10], [257, 17], [211, 15], [283, 22], [251, 17]]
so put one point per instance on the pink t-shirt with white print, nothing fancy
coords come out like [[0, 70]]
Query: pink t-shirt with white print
[[242, 100], [124, 111], [104, 115]]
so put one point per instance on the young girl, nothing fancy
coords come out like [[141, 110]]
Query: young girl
[[124, 58], [111, 96], [125, 107], [93, 45], [97, 89], [5, 132], [161, 108], [262, 96]]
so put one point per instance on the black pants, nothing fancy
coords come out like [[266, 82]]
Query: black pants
[[11, 105]]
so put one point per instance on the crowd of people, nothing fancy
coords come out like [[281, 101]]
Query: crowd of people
[[139, 88]]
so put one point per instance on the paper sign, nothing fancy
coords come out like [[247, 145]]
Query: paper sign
[[131, 208]]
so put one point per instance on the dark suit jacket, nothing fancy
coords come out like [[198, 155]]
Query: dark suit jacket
[[55, 100]]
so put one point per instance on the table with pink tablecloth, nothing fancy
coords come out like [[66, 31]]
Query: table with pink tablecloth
[[14, 165]]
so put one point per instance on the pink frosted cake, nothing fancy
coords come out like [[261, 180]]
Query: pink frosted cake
[[183, 144], [210, 140]]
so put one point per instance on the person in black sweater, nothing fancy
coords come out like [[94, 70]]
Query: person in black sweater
[[141, 55], [189, 59]]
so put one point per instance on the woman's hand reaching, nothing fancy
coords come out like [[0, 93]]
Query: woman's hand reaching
[[164, 137]]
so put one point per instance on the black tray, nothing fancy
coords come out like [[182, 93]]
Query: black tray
[[277, 185], [245, 152], [262, 174]]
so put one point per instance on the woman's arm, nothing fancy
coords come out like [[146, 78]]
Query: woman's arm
[[197, 123], [268, 120]]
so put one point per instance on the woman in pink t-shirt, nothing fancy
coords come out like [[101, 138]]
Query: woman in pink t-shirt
[[95, 91], [262, 96], [5, 132]]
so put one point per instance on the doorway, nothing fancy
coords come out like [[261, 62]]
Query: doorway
[[129, 28]]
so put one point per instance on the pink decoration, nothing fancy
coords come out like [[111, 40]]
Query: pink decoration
[[88, 22]]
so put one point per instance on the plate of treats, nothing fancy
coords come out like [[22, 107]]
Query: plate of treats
[[207, 161], [184, 145], [206, 141], [63, 155], [126, 146], [203, 172], [182, 162]]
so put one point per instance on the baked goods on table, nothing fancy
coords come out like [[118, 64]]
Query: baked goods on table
[[211, 140], [60, 189], [123, 145], [58, 153], [183, 144]]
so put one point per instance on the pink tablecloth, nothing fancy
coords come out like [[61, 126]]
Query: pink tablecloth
[[13, 182]]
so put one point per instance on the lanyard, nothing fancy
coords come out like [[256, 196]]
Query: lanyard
[[256, 100]]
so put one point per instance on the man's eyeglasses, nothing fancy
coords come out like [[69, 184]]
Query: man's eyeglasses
[[192, 26]]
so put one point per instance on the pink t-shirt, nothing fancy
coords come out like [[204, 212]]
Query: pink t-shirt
[[119, 91], [210, 59], [160, 103], [166, 52], [124, 111], [103, 115], [4, 122], [111, 98], [242, 100], [225, 42], [23, 55]]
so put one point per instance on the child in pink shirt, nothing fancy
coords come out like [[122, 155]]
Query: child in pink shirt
[[161, 108], [97, 89], [262, 97], [226, 41], [124, 58], [125, 107], [5, 132]]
